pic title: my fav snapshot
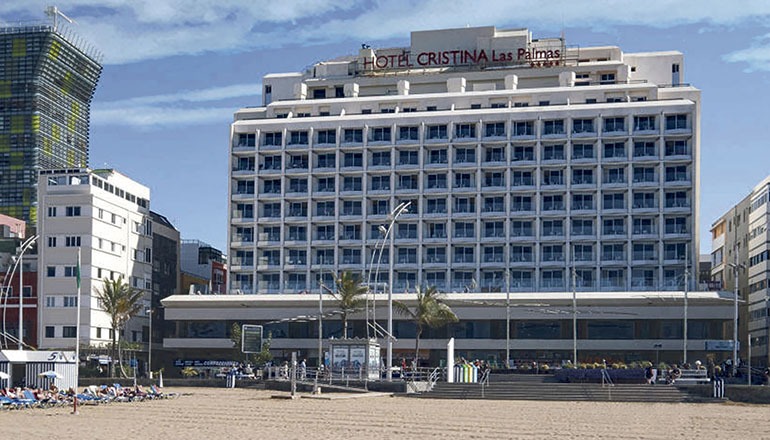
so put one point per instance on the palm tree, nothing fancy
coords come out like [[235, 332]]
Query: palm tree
[[121, 302], [350, 295], [429, 311]]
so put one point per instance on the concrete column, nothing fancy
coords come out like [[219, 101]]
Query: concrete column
[[351, 90], [511, 82], [450, 361], [455, 85], [403, 87], [567, 79], [300, 91]]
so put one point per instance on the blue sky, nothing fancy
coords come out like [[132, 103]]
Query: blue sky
[[176, 70]]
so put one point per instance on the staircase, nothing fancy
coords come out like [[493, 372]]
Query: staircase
[[544, 387]]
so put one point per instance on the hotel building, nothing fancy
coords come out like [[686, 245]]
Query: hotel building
[[529, 167], [107, 216]]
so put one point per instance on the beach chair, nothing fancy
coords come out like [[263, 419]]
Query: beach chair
[[8, 403]]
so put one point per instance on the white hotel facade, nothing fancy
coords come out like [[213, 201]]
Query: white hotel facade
[[523, 162], [107, 216]]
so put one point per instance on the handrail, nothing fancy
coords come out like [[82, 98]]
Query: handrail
[[433, 378], [606, 380], [484, 381]]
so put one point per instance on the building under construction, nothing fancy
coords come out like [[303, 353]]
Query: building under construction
[[47, 81]]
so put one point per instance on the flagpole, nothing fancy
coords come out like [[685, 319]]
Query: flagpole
[[77, 340]]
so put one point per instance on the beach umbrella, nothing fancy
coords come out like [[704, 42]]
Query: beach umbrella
[[50, 374], [4, 375]]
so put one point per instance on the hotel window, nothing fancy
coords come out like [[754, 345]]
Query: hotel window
[[613, 226], [297, 209], [407, 231], [494, 229], [380, 134], [583, 252], [465, 155], [521, 254], [435, 255], [645, 252], [437, 279], [51, 241], [582, 176], [352, 160], [583, 126], [273, 139], [70, 271], [614, 175], [407, 181], [614, 124], [247, 139], [644, 174], [351, 232], [325, 208], [677, 174], [408, 157], [553, 252], [522, 178], [437, 132], [613, 252], [351, 183], [644, 123], [677, 199], [69, 331], [464, 254], [521, 203], [521, 228], [465, 131], [464, 205], [553, 202], [407, 256], [351, 256], [298, 138], [523, 128], [494, 129], [51, 211], [436, 206], [50, 331], [582, 201], [553, 177], [582, 151], [272, 186], [615, 150], [380, 183], [380, 158], [245, 164], [327, 136], [464, 230], [271, 210], [607, 78], [408, 133], [271, 163], [494, 179], [553, 152], [436, 181], [644, 225], [614, 201], [495, 154], [645, 200], [353, 135], [436, 230], [325, 184], [379, 207], [438, 156], [523, 153], [464, 180], [324, 232], [298, 185], [494, 254], [676, 122], [553, 228], [494, 204], [674, 251], [677, 148], [351, 207], [645, 149], [582, 226], [553, 127]]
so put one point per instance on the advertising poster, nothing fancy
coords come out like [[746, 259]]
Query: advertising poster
[[340, 357], [374, 362], [357, 356]]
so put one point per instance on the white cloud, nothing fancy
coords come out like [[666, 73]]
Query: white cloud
[[129, 31], [164, 110], [757, 56]]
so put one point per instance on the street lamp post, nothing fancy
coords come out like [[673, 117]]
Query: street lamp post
[[400, 209], [574, 317], [20, 264], [507, 318], [735, 267], [686, 288]]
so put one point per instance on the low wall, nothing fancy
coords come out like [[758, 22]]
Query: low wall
[[208, 383], [737, 393]]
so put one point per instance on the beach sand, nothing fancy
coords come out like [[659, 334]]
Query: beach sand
[[218, 413]]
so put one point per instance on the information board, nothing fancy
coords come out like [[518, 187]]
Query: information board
[[251, 338]]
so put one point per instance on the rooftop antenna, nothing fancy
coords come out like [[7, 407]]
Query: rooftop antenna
[[53, 11]]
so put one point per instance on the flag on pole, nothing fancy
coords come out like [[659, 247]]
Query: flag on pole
[[77, 270]]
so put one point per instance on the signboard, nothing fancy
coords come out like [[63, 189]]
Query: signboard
[[357, 356], [374, 361], [721, 345], [181, 363], [251, 338], [340, 357]]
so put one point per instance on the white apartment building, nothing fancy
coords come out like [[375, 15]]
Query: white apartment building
[[523, 162], [740, 237], [107, 216]]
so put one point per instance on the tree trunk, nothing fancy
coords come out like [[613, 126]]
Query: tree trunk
[[112, 353], [417, 346], [344, 325]]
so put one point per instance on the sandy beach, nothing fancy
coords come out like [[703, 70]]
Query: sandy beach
[[205, 413]]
